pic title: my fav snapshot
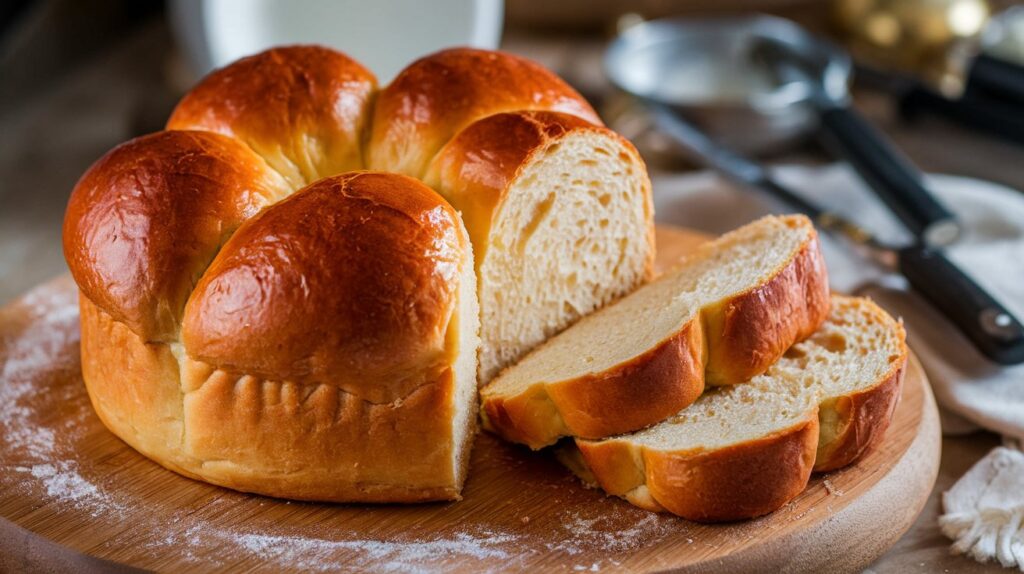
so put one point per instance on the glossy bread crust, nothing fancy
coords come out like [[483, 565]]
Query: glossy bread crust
[[303, 108], [350, 282], [147, 218], [437, 96]]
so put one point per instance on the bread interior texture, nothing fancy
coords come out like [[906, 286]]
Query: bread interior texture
[[465, 327], [571, 237], [855, 349], [639, 322]]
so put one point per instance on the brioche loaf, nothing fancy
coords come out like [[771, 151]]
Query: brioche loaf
[[260, 314], [745, 450], [724, 315]]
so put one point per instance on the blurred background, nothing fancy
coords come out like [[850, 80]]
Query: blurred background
[[81, 77]]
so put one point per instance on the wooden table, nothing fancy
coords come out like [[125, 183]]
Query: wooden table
[[48, 140]]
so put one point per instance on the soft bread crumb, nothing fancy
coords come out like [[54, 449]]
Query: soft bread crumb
[[813, 372], [726, 267], [571, 237]]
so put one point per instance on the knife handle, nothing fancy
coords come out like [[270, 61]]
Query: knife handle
[[973, 109], [992, 329], [892, 177], [997, 78]]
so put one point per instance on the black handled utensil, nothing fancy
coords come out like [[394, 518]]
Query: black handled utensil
[[998, 78], [973, 109], [989, 325], [892, 177]]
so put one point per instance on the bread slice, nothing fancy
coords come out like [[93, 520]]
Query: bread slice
[[743, 451], [559, 212], [725, 315]]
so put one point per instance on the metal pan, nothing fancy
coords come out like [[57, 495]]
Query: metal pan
[[703, 70]]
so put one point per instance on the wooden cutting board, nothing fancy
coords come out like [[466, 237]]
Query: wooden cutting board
[[72, 493]]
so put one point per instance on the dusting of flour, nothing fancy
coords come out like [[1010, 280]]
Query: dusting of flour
[[43, 459], [315, 555], [41, 347]]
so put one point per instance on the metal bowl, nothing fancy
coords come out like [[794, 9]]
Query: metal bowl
[[705, 69]]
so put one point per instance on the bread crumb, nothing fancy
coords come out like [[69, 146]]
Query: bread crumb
[[525, 520], [831, 488]]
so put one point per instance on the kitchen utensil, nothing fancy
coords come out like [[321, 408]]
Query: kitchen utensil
[[989, 325], [660, 61], [703, 70], [973, 110], [952, 46], [931, 39], [950, 58], [891, 176]]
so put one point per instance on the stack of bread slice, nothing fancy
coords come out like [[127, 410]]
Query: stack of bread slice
[[726, 314], [715, 390]]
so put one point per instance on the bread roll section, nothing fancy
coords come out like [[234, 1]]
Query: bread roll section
[[304, 109], [437, 96], [147, 218], [561, 219]]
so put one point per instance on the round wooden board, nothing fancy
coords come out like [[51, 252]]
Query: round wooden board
[[71, 493]]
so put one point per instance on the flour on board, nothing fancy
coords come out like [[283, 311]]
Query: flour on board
[[49, 465]]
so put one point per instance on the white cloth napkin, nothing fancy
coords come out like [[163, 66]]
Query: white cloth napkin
[[985, 509]]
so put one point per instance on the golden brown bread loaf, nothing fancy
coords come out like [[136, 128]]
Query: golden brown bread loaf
[[258, 315]]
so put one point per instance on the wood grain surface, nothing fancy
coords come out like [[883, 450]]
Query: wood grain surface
[[65, 479]]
